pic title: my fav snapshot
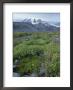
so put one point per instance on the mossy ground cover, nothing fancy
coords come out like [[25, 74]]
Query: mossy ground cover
[[32, 49]]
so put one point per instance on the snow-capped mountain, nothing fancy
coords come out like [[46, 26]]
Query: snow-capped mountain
[[33, 21], [34, 25]]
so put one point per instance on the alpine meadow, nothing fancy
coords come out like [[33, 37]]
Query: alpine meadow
[[36, 45]]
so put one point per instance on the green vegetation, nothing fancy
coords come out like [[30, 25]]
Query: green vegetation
[[36, 50]]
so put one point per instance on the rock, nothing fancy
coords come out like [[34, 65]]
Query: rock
[[33, 75], [42, 70], [42, 73], [16, 62], [56, 40], [16, 74], [26, 76], [26, 39]]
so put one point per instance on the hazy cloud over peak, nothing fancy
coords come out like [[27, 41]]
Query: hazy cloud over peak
[[50, 17]]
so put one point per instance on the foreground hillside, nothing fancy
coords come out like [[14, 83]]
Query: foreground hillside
[[36, 54]]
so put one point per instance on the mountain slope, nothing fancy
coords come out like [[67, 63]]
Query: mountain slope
[[34, 26]]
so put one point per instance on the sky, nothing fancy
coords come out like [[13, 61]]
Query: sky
[[50, 17]]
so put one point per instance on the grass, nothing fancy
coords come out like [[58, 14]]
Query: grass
[[34, 48]]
